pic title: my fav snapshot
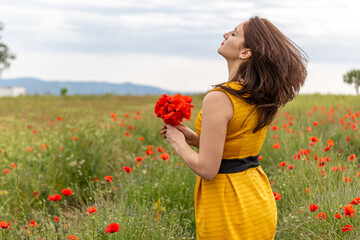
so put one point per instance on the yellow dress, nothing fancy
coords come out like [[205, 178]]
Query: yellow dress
[[236, 205]]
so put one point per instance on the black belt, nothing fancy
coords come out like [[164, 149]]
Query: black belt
[[238, 164]]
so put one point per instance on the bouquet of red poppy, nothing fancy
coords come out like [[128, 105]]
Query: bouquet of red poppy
[[172, 109]]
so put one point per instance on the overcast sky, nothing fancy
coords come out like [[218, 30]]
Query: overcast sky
[[171, 43]]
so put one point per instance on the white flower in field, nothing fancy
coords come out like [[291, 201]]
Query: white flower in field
[[72, 164]]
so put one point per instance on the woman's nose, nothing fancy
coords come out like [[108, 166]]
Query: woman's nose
[[225, 35]]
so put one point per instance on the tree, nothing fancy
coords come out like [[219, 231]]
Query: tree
[[63, 91], [353, 77], [5, 54]]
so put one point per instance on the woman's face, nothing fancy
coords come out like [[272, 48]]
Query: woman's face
[[232, 45]]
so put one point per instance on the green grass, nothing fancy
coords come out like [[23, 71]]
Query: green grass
[[156, 200]]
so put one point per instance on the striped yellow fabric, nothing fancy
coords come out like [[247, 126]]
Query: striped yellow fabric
[[236, 205]]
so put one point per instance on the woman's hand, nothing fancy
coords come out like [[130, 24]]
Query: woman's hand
[[172, 135], [191, 137]]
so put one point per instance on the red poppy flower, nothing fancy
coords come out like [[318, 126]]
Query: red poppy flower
[[307, 190], [275, 128], [347, 179], [108, 178], [75, 138], [349, 211], [36, 193], [315, 123], [313, 207], [6, 170], [164, 156], [352, 157], [338, 216], [128, 169], [260, 157], [282, 164], [277, 196], [276, 146], [32, 223], [290, 167], [4, 225], [113, 227], [67, 192], [91, 210], [160, 149], [314, 139], [172, 109], [55, 197], [149, 152], [141, 138], [138, 159], [347, 228], [355, 201], [321, 216], [56, 219], [73, 237]]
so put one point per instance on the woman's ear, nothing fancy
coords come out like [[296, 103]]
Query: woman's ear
[[245, 53]]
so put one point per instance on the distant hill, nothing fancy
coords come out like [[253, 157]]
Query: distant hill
[[37, 86]]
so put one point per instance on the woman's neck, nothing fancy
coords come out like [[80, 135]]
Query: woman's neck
[[233, 67]]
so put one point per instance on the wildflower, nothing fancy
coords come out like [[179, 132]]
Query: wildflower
[[36, 193], [73, 237], [275, 128], [164, 156], [137, 112], [313, 207], [32, 223], [113, 227], [307, 190], [149, 152], [67, 192], [35, 131], [4, 225], [139, 159], [96, 179], [349, 211], [160, 149], [128, 169], [290, 167], [338, 216], [326, 149], [352, 157], [347, 179], [127, 134], [126, 115], [108, 178], [282, 164], [321, 162], [308, 129], [59, 118], [314, 139], [330, 143], [347, 139], [56, 219], [43, 146], [315, 123], [55, 197], [91, 210], [347, 228], [6, 170], [276, 146], [141, 138], [260, 157], [277, 196], [321, 216], [75, 138]]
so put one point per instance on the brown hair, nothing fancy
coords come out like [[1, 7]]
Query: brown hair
[[274, 73]]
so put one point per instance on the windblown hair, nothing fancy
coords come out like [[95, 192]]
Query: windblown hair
[[274, 73]]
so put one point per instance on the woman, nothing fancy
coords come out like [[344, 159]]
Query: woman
[[233, 196]]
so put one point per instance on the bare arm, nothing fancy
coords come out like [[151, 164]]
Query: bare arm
[[217, 112]]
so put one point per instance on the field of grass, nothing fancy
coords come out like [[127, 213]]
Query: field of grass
[[108, 151]]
